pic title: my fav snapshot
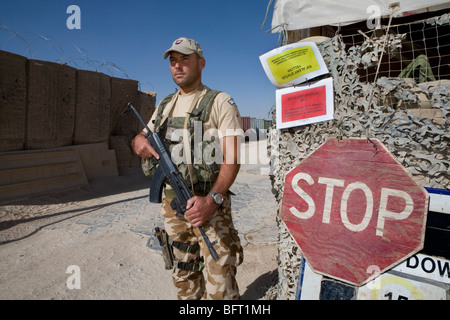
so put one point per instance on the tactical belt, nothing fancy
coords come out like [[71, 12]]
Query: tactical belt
[[170, 194]]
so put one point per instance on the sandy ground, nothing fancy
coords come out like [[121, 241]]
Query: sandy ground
[[52, 243]]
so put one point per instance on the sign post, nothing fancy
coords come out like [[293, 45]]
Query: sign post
[[354, 210]]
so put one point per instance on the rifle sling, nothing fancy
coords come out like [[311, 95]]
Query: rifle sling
[[187, 141]]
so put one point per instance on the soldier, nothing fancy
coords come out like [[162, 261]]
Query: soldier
[[196, 274]]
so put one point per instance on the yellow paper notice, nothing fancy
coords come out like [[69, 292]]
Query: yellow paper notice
[[292, 64]]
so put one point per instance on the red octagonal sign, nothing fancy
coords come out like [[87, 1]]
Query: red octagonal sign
[[353, 210]]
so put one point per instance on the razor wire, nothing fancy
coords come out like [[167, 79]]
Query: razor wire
[[31, 45]]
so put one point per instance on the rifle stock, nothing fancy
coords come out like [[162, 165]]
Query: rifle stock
[[167, 171]]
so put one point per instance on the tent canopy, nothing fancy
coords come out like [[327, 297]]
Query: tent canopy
[[304, 14]]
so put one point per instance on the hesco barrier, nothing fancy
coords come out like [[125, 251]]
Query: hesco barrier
[[49, 105]]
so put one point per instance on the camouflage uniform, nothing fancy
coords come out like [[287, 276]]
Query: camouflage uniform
[[219, 275]]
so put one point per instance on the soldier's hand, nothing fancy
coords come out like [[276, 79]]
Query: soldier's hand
[[199, 209], [142, 147]]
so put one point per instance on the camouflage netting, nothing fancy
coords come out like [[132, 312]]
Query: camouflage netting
[[410, 119]]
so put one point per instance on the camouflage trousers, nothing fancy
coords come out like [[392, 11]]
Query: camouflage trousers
[[218, 279]]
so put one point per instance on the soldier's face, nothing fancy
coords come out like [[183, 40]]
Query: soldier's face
[[186, 69]]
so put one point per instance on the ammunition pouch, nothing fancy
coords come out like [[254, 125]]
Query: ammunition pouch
[[204, 174], [149, 166]]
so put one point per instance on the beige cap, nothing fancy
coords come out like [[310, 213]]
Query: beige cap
[[185, 46]]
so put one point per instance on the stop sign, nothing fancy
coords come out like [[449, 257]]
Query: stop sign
[[354, 210]]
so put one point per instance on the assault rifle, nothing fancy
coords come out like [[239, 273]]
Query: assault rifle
[[167, 171]]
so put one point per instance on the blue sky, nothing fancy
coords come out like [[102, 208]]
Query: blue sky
[[133, 36]]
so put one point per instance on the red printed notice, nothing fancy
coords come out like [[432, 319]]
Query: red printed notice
[[304, 104]]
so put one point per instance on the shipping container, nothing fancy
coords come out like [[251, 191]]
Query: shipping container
[[257, 124], [254, 129], [245, 123]]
